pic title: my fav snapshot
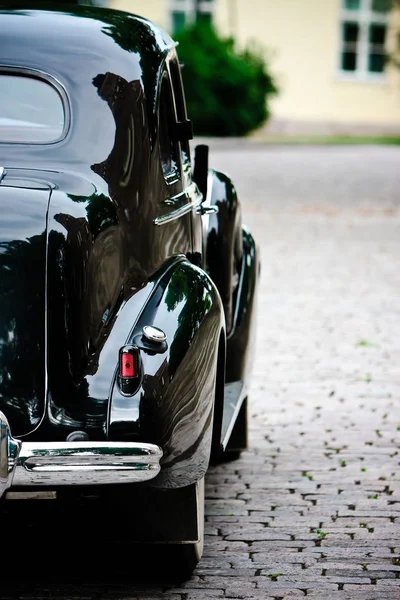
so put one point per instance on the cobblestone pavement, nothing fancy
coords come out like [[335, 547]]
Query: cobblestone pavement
[[313, 507]]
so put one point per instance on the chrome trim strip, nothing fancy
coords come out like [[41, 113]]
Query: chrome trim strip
[[9, 450], [86, 463], [175, 214], [176, 199], [31, 495], [210, 183], [73, 463], [235, 412], [190, 192], [207, 210], [59, 88]]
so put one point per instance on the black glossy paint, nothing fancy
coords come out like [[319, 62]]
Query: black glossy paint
[[22, 302], [224, 242], [83, 266], [241, 342], [174, 405]]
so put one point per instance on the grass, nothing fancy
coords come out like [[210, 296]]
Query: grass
[[365, 344], [326, 140], [321, 534]]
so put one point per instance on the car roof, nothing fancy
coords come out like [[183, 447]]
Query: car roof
[[79, 46], [94, 29]]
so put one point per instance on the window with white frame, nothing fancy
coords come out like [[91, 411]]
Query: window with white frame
[[363, 37], [185, 12]]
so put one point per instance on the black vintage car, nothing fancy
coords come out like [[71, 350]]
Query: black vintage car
[[127, 280]]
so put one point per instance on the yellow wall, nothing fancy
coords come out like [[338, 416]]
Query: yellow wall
[[302, 37], [155, 10]]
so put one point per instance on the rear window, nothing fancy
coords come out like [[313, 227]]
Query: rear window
[[31, 111]]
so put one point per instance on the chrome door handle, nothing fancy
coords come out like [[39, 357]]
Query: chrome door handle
[[206, 210]]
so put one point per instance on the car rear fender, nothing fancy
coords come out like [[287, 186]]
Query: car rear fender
[[175, 401], [241, 340]]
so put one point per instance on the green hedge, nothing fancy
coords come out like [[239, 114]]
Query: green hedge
[[227, 91]]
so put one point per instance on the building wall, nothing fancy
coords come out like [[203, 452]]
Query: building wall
[[155, 10], [302, 39]]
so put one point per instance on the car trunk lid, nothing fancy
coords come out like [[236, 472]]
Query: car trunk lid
[[23, 222]]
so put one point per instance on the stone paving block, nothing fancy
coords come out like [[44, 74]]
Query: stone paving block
[[219, 545], [242, 528], [270, 569], [374, 566], [288, 512], [388, 534], [359, 572], [267, 534], [242, 589], [288, 556], [369, 512], [215, 511], [372, 542], [222, 558], [264, 546], [388, 583], [369, 594], [327, 570], [338, 577], [261, 596], [202, 595], [383, 553], [149, 597], [255, 595], [345, 522], [308, 522], [386, 575], [241, 520], [296, 583], [280, 592], [220, 581], [227, 571], [347, 552]]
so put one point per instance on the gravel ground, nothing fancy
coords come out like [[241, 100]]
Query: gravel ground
[[313, 507]]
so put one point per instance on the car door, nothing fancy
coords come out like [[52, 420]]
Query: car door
[[184, 197], [172, 221]]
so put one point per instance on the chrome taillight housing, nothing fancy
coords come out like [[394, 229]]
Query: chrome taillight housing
[[129, 370]]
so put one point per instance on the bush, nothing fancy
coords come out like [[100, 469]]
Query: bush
[[227, 92]]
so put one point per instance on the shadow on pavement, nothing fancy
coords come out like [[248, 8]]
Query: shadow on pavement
[[76, 552]]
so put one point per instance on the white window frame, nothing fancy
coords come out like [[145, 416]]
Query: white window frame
[[189, 8], [364, 17]]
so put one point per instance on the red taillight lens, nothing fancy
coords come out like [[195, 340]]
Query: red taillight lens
[[127, 365]]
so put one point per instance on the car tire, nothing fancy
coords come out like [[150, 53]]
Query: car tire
[[187, 556]]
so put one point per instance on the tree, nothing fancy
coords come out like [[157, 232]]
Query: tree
[[227, 91]]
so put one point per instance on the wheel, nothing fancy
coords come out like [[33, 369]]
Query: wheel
[[186, 556], [229, 456]]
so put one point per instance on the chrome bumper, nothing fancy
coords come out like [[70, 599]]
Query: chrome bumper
[[73, 463]]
